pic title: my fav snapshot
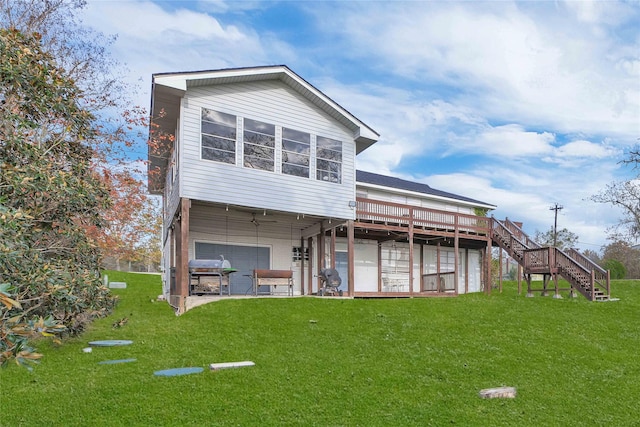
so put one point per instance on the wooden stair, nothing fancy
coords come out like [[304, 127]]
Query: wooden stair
[[583, 275]]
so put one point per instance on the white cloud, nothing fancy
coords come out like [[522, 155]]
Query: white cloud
[[588, 149], [596, 12], [518, 94], [516, 62], [146, 21], [512, 141]]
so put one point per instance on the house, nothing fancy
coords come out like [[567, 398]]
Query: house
[[257, 166]]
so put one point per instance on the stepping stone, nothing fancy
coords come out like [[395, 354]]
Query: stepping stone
[[498, 392], [118, 285], [227, 365], [109, 343], [178, 371]]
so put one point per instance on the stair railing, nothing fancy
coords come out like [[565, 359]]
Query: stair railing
[[517, 231], [514, 245], [601, 277]]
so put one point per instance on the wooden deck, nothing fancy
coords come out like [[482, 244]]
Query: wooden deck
[[389, 216]]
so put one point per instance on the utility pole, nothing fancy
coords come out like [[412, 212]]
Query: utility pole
[[555, 208]]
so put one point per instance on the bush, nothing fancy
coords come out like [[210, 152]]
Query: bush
[[49, 195], [616, 269]]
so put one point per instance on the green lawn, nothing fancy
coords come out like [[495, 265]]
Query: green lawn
[[333, 362]]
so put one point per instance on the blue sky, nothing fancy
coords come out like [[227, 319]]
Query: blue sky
[[518, 104]]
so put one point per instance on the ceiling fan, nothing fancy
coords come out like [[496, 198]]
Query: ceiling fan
[[255, 221]]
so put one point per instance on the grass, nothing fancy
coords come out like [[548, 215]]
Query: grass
[[334, 362]]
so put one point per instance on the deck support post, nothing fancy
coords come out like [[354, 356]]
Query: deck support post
[[421, 267], [556, 295], [438, 266], [456, 254], [500, 268], [310, 267], [332, 249], [182, 252], [488, 267], [528, 278], [322, 257], [410, 238], [545, 281], [466, 270], [351, 258], [379, 267], [301, 265]]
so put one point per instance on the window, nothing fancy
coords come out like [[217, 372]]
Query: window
[[329, 160], [259, 145], [218, 136], [299, 254], [296, 147]]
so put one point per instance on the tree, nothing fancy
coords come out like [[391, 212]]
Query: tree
[[592, 255], [565, 239], [625, 195], [49, 195], [624, 253], [132, 225], [83, 54]]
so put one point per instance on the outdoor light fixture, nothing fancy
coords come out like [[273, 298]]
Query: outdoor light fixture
[[352, 203]]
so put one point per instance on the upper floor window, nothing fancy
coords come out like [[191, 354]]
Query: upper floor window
[[259, 145], [296, 148], [218, 136], [329, 160]]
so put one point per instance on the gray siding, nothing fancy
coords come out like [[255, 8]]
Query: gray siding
[[271, 102], [211, 225]]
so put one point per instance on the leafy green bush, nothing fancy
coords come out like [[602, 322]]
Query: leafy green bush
[[616, 268], [49, 196]]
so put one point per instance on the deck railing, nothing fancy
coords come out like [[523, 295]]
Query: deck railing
[[425, 218], [439, 282], [539, 260]]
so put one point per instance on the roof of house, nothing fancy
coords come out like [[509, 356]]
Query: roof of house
[[374, 179], [365, 136], [169, 88]]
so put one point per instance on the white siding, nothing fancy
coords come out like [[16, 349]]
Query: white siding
[[426, 202], [366, 264], [270, 102]]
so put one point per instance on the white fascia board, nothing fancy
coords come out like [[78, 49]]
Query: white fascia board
[[175, 81], [425, 196], [363, 131], [181, 81]]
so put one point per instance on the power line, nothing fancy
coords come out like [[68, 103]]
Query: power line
[[555, 208]]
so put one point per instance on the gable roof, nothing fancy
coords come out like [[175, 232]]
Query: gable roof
[[365, 136], [382, 181], [168, 89]]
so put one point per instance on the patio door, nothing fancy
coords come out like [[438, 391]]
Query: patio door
[[243, 258]]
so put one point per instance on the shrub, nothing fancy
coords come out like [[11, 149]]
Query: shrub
[[616, 268]]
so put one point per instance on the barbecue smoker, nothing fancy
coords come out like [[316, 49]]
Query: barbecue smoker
[[331, 282], [210, 276]]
